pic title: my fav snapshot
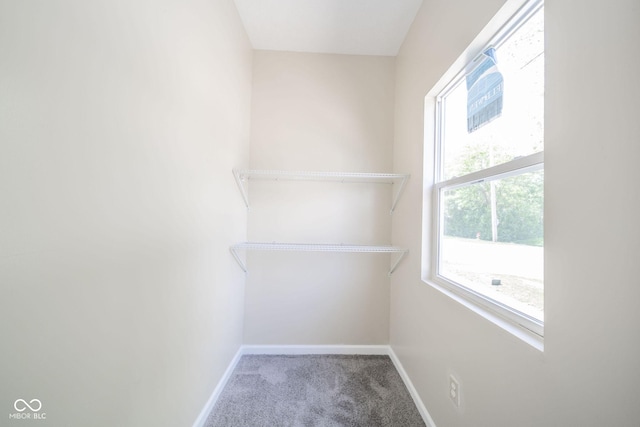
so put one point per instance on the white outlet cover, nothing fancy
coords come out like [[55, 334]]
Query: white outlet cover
[[454, 391]]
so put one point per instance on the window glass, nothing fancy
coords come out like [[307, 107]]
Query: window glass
[[511, 268], [490, 179], [520, 129]]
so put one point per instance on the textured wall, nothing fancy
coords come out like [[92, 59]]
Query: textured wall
[[587, 374], [320, 113], [119, 125]]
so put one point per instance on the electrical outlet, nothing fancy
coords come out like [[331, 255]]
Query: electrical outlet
[[454, 391]]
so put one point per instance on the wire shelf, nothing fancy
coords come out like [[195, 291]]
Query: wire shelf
[[243, 176], [317, 247]]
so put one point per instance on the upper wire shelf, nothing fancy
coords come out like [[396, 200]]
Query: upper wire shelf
[[242, 176]]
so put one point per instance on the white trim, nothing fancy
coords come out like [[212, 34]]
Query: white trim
[[208, 407], [517, 166], [378, 350], [426, 417], [485, 303], [317, 349], [507, 323], [520, 324]]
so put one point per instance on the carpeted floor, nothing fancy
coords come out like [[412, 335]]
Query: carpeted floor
[[314, 390]]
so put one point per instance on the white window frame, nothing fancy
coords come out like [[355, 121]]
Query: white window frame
[[511, 319]]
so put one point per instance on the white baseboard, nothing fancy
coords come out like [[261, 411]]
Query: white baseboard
[[412, 390], [382, 350], [204, 414], [316, 349]]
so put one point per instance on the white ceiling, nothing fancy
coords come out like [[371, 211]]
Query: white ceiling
[[358, 27]]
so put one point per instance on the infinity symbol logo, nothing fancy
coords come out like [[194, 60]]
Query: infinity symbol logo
[[35, 408]]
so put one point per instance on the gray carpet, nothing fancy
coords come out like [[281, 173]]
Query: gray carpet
[[314, 390]]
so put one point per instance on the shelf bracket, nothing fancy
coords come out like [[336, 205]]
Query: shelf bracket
[[240, 182], [394, 264], [234, 252], [398, 193]]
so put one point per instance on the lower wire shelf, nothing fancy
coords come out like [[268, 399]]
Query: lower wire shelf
[[317, 247]]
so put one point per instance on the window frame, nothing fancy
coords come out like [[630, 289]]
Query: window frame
[[483, 304]]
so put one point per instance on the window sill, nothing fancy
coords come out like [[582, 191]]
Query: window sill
[[517, 330]]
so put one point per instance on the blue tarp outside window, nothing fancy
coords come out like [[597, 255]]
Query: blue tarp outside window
[[484, 92]]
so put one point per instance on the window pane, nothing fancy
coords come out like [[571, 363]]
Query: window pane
[[519, 131], [492, 240]]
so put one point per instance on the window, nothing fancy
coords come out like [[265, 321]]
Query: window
[[489, 175]]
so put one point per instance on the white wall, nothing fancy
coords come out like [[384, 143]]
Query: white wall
[[120, 122], [588, 373], [319, 112]]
